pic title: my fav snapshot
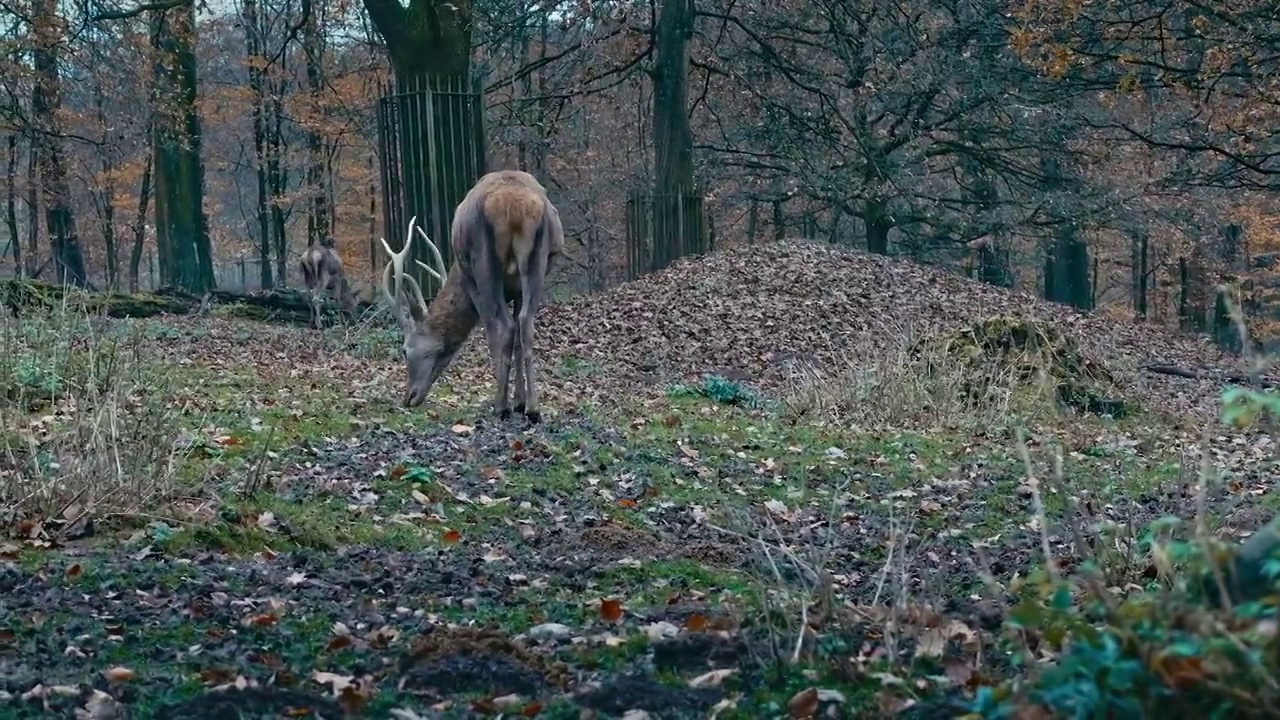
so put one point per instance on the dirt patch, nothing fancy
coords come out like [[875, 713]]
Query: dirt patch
[[615, 540], [251, 704], [642, 692], [698, 652], [710, 552], [454, 660]]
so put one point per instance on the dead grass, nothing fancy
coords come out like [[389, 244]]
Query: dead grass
[[90, 426], [910, 387]]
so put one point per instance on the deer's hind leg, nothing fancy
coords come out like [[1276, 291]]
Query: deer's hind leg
[[532, 272], [489, 299], [517, 359]]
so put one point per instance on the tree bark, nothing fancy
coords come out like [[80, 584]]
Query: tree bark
[[182, 233], [257, 90], [1141, 260], [875, 218], [33, 208], [140, 223], [46, 101], [429, 45], [278, 179], [1066, 273], [429, 37], [105, 193], [673, 231], [11, 204], [318, 220]]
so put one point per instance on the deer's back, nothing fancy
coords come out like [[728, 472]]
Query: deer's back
[[513, 203]]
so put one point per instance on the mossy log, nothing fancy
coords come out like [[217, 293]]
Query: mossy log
[[283, 306]]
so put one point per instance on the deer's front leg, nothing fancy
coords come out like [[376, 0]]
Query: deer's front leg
[[315, 310]]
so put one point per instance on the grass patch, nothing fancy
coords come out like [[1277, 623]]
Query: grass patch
[[840, 541], [89, 424]]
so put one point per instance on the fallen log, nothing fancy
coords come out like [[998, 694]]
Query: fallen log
[[1217, 375], [285, 305]]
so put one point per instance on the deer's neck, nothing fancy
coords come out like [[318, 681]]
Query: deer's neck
[[452, 315]]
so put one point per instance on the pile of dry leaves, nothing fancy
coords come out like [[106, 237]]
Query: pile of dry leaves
[[747, 313]]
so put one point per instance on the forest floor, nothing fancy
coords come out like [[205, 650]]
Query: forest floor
[[232, 519]]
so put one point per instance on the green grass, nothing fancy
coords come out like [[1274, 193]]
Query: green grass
[[642, 465]]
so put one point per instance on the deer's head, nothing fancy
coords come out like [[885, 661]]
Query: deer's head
[[429, 341]]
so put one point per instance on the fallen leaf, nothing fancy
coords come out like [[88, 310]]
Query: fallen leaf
[[461, 429], [119, 674], [451, 537], [803, 704], [340, 642], [611, 610]]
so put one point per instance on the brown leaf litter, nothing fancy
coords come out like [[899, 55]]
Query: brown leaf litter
[[748, 311]]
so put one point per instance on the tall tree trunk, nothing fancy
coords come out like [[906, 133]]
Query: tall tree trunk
[[46, 101], [182, 233], [257, 66], [429, 45], [875, 217], [277, 180], [674, 232], [373, 212], [106, 191], [1140, 251], [428, 37], [1066, 274], [318, 221], [140, 224], [33, 209], [11, 204]]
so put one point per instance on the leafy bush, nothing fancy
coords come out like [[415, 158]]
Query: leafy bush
[[720, 389], [1171, 647]]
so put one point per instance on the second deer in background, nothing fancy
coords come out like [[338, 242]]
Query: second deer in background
[[323, 275]]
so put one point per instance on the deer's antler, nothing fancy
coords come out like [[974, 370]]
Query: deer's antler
[[396, 266], [439, 271]]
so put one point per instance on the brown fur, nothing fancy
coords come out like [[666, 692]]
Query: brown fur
[[504, 236], [322, 273]]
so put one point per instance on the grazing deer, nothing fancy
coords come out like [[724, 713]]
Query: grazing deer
[[323, 275], [505, 235]]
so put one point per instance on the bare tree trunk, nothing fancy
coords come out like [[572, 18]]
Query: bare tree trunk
[[46, 101], [182, 233], [672, 135], [11, 204], [257, 89], [373, 212], [140, 224], [277, 180], [318, 223], [105, 195], [33, 209]]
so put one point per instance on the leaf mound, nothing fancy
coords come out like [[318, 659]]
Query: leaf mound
[[751, 314]]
